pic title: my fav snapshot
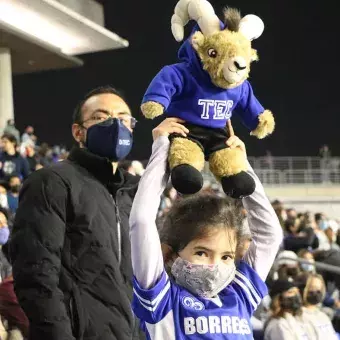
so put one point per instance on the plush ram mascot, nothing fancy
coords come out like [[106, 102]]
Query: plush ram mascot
[[205, 89]]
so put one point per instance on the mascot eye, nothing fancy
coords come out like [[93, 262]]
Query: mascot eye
[[212, 53]]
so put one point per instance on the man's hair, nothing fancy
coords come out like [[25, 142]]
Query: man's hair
[[78, 114]]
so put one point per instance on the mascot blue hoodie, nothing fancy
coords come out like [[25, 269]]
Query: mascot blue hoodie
[[186, 91]]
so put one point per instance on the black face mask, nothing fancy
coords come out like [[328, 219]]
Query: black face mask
[[15, 189], [292, 272], [293, 303], [314, 298], [110, 139]]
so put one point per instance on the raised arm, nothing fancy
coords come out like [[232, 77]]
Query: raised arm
[[146, 254], [265, 228]]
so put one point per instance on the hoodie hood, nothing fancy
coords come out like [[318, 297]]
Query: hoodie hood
[[188, 55]]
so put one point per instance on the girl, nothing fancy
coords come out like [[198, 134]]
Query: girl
[[204, 294]]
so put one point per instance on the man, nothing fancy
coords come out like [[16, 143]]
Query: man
[[11, 162], [70, 247], [11, 129]]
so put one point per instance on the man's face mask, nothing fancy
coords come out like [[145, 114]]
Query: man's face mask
[[201, 279], [110, 139]]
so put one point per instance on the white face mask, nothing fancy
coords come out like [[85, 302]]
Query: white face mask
[[307, 267], [202, 279], [3, 201]]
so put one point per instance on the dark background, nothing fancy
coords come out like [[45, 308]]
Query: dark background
[[296, 77]]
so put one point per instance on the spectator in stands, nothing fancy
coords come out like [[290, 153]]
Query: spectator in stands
[[291, 213], [313, 295], [31, 157], [70, 247], [321, 225], [331, 233], [11, 162], [299, 237], [280, 211], [307, 255], [14, 186], [28, 136], [5, 267], [288, 320], [3, 197], [10, 129], [287, 266]]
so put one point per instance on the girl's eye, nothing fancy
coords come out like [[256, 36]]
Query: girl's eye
[[200, 253], [226, 257]]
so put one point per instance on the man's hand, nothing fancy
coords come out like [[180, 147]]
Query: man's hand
[[235, 142], [168, 126]]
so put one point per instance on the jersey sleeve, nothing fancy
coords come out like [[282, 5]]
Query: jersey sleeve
[[249, 286], [152, 305]]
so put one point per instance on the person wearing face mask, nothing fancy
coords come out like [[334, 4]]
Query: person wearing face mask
[[309, 265], [287, 321], [5, 267], [14, 185], [313, 295], [70, 246], [188, 280]]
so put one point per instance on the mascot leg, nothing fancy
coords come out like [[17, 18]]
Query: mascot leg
[[186, 160], [229, 167]]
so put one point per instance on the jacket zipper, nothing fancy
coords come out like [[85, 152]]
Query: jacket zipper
[[119, 231]]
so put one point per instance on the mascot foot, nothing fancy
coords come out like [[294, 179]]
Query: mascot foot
[[186, 179], [239, 185]]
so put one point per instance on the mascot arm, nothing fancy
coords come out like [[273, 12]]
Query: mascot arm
[[253, 115], [166, 84]]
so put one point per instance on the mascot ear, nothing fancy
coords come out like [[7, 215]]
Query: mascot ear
[[251, 26], [254, 55], [197, 40]]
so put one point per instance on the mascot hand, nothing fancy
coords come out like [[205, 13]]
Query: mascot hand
[[266, 125], [152, 110]]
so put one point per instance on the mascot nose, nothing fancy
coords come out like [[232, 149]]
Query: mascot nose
[[240, 63]]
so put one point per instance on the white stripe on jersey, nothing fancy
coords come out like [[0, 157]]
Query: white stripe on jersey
[[245, 288], [164, 329], [154, 303], [249, 285]]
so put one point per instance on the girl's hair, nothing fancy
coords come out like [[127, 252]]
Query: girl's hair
[[192, 218], [308, 284]]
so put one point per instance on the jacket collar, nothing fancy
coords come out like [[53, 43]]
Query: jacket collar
[[101, 168]]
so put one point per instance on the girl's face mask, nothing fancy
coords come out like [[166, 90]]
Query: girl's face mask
[[202, 279]]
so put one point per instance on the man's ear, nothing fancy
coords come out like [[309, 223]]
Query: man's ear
[[197, 40], [78, 133], [254, 55]]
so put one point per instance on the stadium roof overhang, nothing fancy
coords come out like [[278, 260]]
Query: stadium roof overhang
[[46, 35]]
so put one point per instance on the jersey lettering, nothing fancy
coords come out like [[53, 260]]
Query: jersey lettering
[[221, 108], [216, 325]]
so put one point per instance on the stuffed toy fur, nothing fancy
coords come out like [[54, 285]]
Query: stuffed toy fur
[[205, 89]]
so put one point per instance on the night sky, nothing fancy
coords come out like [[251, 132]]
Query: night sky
[[296, 77]]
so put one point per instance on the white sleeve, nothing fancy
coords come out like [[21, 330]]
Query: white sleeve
[[146, 253], [265, 229]]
